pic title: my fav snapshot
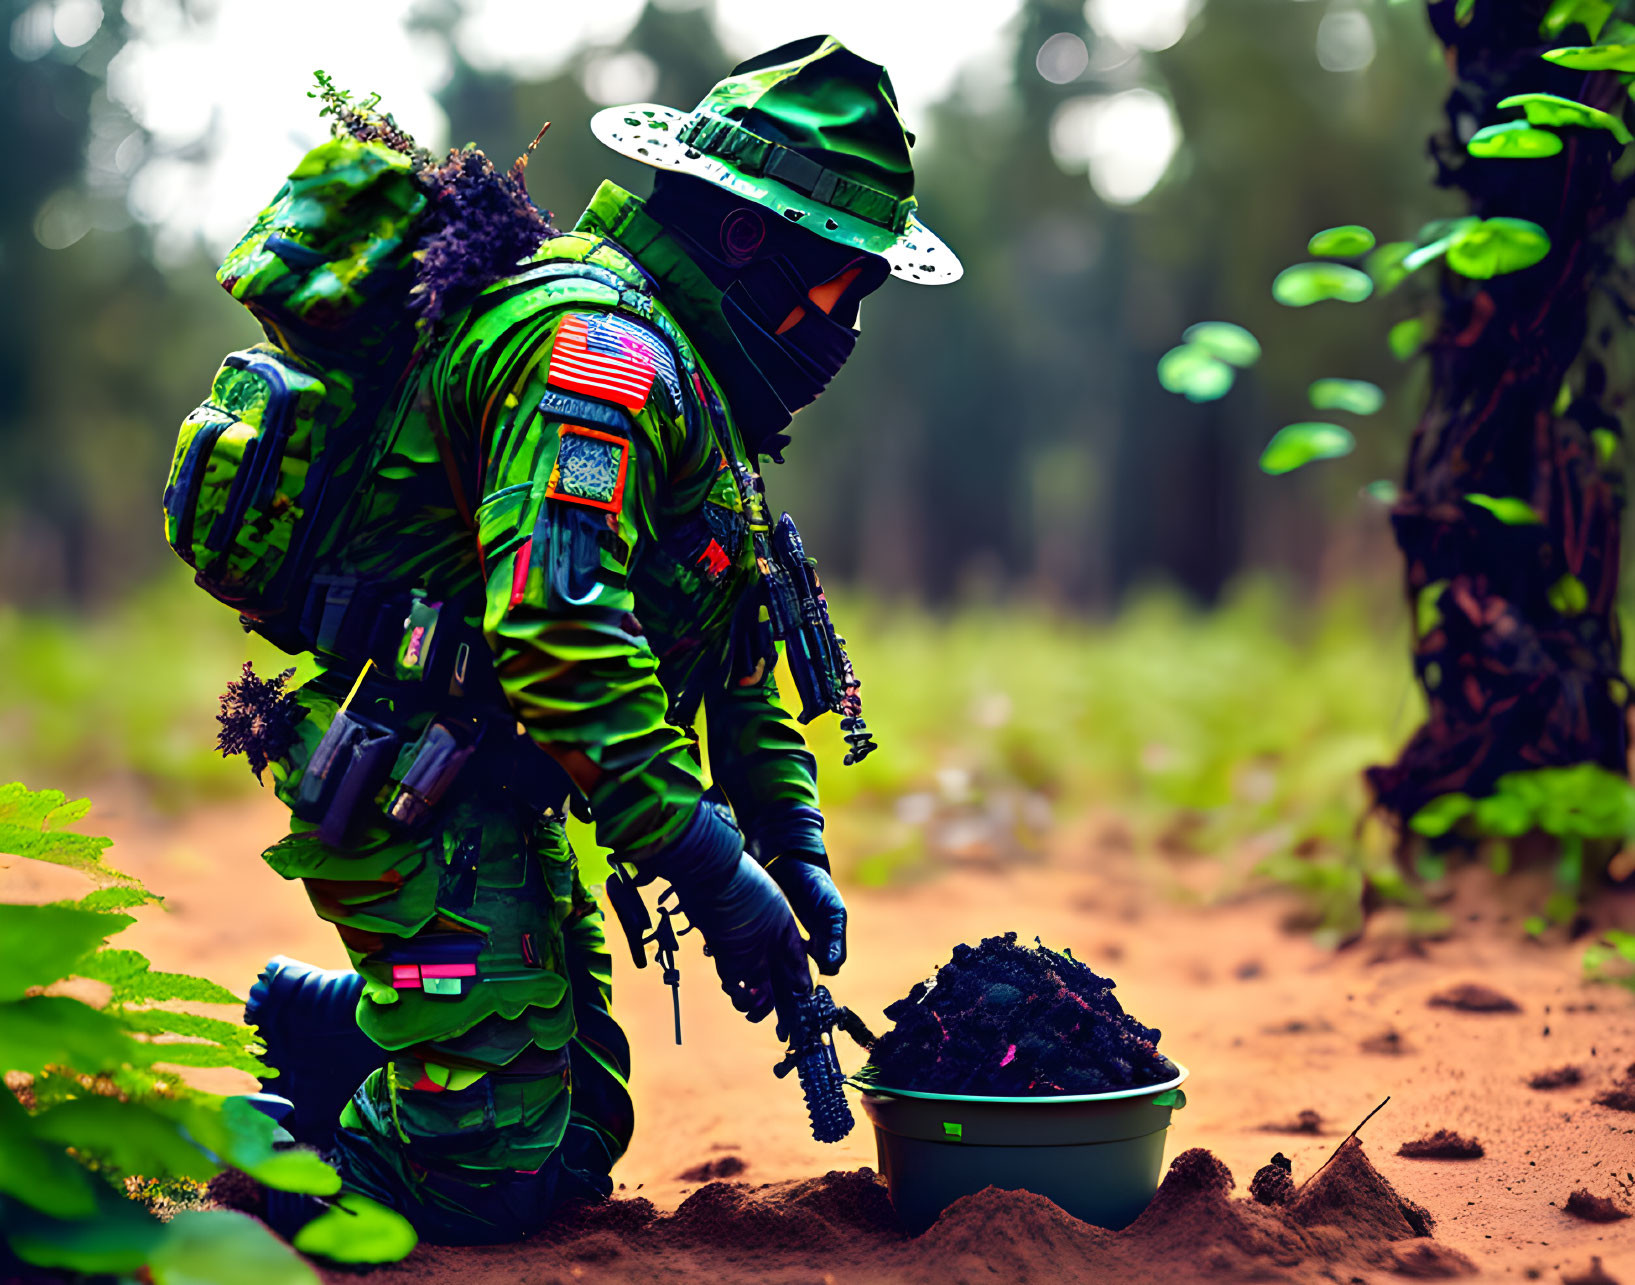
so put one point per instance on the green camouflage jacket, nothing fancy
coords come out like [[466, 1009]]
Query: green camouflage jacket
[[612, 500]]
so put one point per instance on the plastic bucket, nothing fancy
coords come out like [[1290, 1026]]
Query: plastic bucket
[[1098, 1156]]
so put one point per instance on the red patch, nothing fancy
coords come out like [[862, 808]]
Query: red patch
[[616, 373], [715, 559], [519, 574]]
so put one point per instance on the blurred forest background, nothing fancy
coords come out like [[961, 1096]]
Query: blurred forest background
[[1003, 436], [1061, 579]]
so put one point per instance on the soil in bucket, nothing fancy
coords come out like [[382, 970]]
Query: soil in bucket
[[1015, 1021]]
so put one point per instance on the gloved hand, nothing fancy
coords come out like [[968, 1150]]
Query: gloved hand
[[746, 923], [810, 889]]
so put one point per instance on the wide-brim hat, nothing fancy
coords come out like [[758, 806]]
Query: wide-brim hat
[[810, 131]]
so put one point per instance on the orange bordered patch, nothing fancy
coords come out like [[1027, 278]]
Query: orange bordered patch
[[589, 469]]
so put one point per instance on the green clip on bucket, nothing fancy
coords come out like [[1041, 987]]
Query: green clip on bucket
[[1097, 1155]]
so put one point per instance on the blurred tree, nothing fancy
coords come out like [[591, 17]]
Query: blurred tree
[[1513, 493]]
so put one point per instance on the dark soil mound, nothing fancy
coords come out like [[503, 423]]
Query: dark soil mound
[[1444, 1144], [1559, 1077], [1389, 1042], [1307, 1121], [1594, 1209], [1620, 1098], [1425, 1260], [1009, 1020], [1594, 1274], [1352, 1196], [1272, 1184], [1193, 1219], [714, 1170], [1473, 997], [730, 1216]]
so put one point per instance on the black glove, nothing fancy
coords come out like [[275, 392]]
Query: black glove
[[746, 923], [806, 882]]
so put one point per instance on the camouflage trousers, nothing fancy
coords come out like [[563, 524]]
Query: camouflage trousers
[[487, 981]]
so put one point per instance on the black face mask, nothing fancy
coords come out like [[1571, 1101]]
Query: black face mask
[[799, 362], [765, 268]]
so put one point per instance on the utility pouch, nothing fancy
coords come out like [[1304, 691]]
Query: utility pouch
[[439, 755], [348, 767]]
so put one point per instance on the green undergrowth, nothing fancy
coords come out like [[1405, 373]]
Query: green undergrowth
[[1202, 727], [99, 1134]]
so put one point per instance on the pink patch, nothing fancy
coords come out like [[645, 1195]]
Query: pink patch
[[412, 654], [448, 970], [405, 977], [1010, 1056]]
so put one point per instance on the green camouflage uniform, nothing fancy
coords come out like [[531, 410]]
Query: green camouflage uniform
[[611, 560]]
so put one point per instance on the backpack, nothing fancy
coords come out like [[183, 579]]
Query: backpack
[[262, 469]]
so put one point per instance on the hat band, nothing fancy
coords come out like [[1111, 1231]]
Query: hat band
[[728, 141]]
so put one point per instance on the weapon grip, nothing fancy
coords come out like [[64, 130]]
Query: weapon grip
[[632, 914]]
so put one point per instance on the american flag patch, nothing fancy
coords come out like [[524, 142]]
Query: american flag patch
[[604, 355]]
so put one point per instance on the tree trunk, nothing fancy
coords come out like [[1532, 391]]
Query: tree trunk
[[1520, 666]]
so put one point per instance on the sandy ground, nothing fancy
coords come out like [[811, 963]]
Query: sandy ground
[[1268, 1024]]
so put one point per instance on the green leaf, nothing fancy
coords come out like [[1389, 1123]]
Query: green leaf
[[1441, 814], [1504, 815], [1405, 338], [1513, 140], [1308, 283], [1535, 925], [1507, 508], [357, 1230], [1568, 596], [1386, 265], [1462, 12], [26, 821], [1552, 109], [1225, 341], [1493, 247], [1382, 490], [1194, 372], [1427, 607], [42, 944], [43, 1177], [1296, 445], [133, 1137], [298, 1170], [1563, 13], [221, 1247], [1606, 445], [116, 897], [1435, 238], [133, 978], [115, 1240], [53, 1030], [1344, 242], [1593, 57], [1357, 396]]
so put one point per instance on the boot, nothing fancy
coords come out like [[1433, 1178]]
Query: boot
[[307, 1019]]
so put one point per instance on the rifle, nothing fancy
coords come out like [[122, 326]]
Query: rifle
[[636, 922], [817, 657], [807, 1022]]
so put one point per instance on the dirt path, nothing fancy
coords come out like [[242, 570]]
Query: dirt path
[[1269, 1025]]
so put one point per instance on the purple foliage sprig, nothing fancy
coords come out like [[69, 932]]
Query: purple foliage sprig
[[480, 222], [258, 718]]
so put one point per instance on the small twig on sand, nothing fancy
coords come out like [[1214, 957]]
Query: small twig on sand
[[1345, 1140]]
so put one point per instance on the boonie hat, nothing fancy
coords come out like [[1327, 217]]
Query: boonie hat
[[808, 130]]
